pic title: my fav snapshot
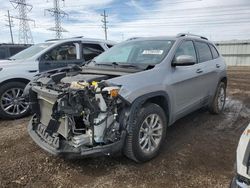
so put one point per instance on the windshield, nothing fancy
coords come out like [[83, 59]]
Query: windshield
[[31, 51], [147, 52]]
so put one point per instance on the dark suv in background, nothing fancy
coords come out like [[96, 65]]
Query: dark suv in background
[[8, 50]]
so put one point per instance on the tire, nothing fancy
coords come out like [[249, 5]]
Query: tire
[[140, 131], [218, 103], [11, 96]]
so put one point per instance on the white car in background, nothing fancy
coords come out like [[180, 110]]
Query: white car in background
[[19, 69], [242, 178]]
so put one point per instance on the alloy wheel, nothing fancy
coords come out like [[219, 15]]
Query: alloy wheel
[[221, 98], [150, 133], [13, 102]]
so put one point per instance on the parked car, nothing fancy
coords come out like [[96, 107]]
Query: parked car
[[8, 50], [125, 99], [16, 72], [242, 177]]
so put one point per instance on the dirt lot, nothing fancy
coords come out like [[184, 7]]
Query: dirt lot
[[199, 152]]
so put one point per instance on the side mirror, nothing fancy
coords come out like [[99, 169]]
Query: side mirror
[[184, 60]]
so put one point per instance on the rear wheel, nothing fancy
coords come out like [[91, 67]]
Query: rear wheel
[[217, 106], [12, 102], [147, 133]]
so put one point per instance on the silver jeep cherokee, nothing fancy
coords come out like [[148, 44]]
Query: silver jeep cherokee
[[125, 98]]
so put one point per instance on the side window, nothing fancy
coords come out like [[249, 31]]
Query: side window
[[67, 51], [214, 51], [204, 51], [186, 48], [91, 50]]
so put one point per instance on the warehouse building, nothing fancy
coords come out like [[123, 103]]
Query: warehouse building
[[235, 52]]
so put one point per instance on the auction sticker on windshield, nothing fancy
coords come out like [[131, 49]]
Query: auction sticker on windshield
[[153, 52]]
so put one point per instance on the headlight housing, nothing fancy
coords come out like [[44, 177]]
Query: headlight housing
[[113, 91]]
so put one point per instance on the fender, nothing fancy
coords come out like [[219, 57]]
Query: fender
[[138, 102]]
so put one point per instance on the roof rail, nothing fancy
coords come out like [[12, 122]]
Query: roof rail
[[51, 40], [77, 37], [190, 34]]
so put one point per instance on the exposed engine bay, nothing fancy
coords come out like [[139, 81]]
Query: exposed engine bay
[[76, 108]]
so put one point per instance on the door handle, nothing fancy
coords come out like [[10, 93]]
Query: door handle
[[217, 66], [199, 71]]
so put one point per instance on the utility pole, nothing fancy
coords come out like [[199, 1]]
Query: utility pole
[[58, 14], [25, 35], [104, 21], [10, 26]]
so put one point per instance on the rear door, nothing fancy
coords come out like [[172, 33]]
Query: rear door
[[208, 73], [61, 56]]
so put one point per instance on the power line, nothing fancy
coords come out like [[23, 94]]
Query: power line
[[182, 24], [104, 21], [170, 23], [190, 16], [10, 25], [209, 9], [150, 6], [25, 35], [58, 15]]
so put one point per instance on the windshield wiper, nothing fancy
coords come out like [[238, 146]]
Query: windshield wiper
[[87, 62], [105, 64], [127, 65], [118, 64], [11, 59]]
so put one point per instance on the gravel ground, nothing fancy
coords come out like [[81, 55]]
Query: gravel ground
[[199, 152]]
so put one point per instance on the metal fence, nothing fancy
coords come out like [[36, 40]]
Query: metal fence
[[236, 53]]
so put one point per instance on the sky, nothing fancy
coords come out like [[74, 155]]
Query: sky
[[216, 19]]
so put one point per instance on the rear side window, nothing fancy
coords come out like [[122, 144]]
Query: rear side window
[[186, 48], [204, 51], [91, 50], [214, 51]]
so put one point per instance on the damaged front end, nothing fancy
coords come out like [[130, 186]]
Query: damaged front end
[[76, 115]]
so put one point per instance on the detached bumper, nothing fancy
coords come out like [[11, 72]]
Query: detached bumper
[[68, 151]]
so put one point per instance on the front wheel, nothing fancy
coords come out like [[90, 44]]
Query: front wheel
[[218, 103], [147, 133], [12, 102]]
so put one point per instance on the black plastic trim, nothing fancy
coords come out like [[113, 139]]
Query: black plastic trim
[[142, 99]]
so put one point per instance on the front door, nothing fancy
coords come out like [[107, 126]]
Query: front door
[[61, 56], [186, 83]]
